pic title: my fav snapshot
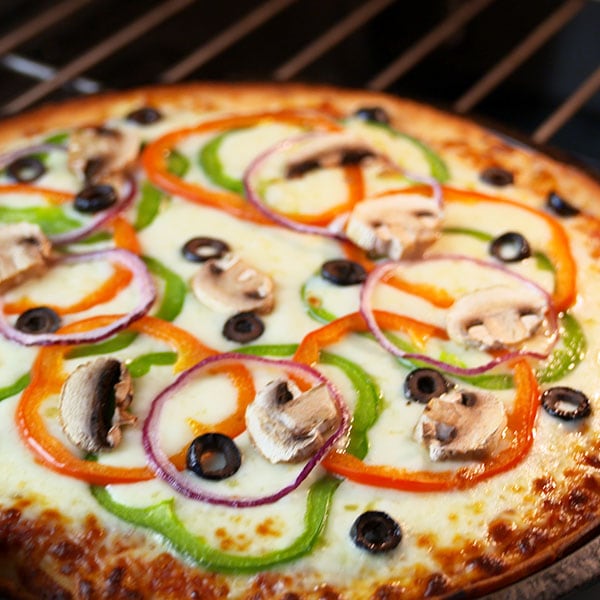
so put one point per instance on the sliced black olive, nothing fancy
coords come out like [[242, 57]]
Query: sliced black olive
[[559, 206], [497, 176], [213, 456], [95, 198], [243, 327], [510, 247], [376, 532], [26, 169], [144, 116], [374, 114], [201, 249], [421, 385], [38, 320], [566, 403], [343, 272]]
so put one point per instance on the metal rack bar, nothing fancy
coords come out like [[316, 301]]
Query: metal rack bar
[[42, 72], [225, 39], [428, 43], [330, 38], [552, 25], [39, 23], [98, 53], [564, 112]]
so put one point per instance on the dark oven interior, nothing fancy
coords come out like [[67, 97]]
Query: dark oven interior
[[530, 68]]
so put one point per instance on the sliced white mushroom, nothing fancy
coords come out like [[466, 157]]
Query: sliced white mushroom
[[229, 284], [24, 253], [287, 425], [498, 317], [396, 225], [462, 425], [93, 404], [328, 151], [103, 155]]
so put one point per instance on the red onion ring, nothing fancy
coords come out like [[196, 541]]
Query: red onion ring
[[141, 278], [254, 198], [366, 309], [9, 157], [100, 218], [163, 467], [335, 228]]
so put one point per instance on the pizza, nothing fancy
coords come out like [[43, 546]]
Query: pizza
[[290, 342]]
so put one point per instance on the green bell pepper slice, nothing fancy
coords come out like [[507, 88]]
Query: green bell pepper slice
[[149, 206], [59, 139], [369, 402], [162, 519], [114, 344], [177, 163], [14, 388], [51, 219], [174, 292], [268, 349], [566, 358], [141, 365], [212, 165]]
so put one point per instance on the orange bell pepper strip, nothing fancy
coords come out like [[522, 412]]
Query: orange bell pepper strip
[[52, 196], [48, 376], [312, 343], [124, 237], [521, 419], [155, 155]]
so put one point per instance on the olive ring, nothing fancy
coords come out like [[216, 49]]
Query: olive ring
[[558, 401], [213, 456]]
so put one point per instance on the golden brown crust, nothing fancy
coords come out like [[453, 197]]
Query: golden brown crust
[[86, 562]]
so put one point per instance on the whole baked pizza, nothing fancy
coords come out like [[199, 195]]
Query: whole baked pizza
[[263, 342]]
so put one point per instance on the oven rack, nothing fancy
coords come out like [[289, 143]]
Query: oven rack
[[63, 48]]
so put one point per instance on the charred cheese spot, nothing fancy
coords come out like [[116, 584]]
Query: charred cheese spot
[[238, 542], [270, 527]]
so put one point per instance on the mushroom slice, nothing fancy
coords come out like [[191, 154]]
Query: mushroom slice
[[93, 404], [24, 252], [229, 284], [461, 424], [396, 225], [328, 151], [497, 317], [287, 425], [103, 155]]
